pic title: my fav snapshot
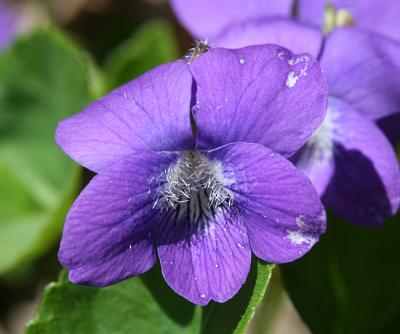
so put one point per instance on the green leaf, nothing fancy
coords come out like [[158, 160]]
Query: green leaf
[[42, 80], [138, 305], [349, 283], [150, 46], [144, 304]]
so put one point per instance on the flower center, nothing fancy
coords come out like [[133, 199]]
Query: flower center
[[336, 18], [195, 187]]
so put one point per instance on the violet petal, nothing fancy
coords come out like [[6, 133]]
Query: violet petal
[[207, 260], [107, 234], [363, 70], [279, 206], [295, 36], [151, 112], [263, 94], [206, 18]]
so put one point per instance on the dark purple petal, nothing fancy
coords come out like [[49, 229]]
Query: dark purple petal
[[391, 127], [363, 70], [262, 94], [151, 112], [204, 260], [279, 206], [365, 188], [7, 25], [107, 235], [207, 18], [295, 36], [379, 16]]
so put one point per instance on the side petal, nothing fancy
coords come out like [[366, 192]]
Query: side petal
[[207, 18], [363, 70], [108, 232], [205, 260], [365, 187], [363, 13], [279, 206], [263, 94], [295, 36], [151, 112]]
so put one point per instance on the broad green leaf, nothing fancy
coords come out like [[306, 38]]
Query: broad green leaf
[[144, 304], [150, 46], [42, 80], [138, 305], [349, 283]]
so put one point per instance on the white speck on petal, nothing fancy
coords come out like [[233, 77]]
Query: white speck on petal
[[297, 73], [291, 80], [242, 61], [202, 295], [297, 238], [281, 54], [302, 234]]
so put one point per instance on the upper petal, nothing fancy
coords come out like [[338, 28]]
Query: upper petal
[[262, 94], [364, 14], [151, 112], [295, 36], [207, 18], [279, 206], [108, 232], [363, 70]]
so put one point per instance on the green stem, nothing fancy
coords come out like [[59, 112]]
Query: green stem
[[264, 272]]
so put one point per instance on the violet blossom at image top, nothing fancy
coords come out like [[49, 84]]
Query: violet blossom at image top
[[349, 160], [201, 200], [7, 24], [376, 16]]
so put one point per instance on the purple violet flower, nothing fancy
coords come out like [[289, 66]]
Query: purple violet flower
[[7, 24], [349, 160], [376, 16], [203, 204]]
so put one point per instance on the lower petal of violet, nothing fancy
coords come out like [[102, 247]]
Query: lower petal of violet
[[206, 258]]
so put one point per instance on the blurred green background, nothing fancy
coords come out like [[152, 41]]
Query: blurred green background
[[68, 54]]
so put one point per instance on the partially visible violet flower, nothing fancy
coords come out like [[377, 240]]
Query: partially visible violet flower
[[203, 204], [377, 16], [293, 35], [205, 19], [349, 160], [7, 24]]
